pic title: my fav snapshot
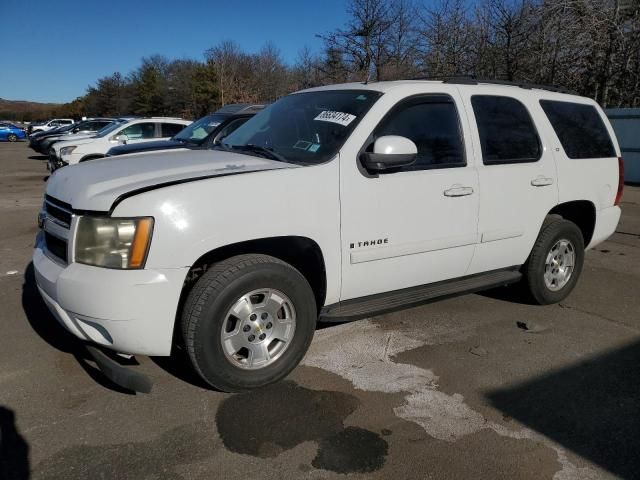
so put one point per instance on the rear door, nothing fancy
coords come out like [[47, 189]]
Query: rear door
[[517, 173]]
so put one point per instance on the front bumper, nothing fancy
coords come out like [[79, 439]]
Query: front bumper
[[54, 162], [129, 311]]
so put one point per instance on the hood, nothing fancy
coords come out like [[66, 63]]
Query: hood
[[76, 139], [97, 184], [145, 147]]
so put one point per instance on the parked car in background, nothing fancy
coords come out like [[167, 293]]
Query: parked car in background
[[201, 134], [139, 130], [50, 125], [11, 133], [41, 142], [338, 202]]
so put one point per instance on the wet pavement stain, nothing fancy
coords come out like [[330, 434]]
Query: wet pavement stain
[[266, 422], [352, 450], [155, 459]]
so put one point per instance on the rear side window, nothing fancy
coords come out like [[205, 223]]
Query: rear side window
[[171, 129], [507, 133], [432, 123], [580, 129]]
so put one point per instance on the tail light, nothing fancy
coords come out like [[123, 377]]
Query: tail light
[[620, 181]]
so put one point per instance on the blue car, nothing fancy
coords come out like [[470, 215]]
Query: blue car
[[11, 133]]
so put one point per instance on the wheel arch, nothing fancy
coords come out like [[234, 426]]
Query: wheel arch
[[580, 212], [302, 253]]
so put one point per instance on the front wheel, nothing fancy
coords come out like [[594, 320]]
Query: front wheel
[[12, 137], [248, 322], [555, 262]]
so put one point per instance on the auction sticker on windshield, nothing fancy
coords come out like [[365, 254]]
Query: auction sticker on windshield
[[340, 118]]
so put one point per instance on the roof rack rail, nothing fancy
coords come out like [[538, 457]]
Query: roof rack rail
[[473, 80]]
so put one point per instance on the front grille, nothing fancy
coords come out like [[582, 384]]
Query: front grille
[[58, 210], [56, 246]]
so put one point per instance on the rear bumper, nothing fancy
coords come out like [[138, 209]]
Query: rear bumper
[[129, 311], [606, 223]]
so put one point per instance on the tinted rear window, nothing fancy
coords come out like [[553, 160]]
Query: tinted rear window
[[580, 129], [171, 129], [507, 133]]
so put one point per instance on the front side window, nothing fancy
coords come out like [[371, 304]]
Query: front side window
[[304, 128], [431, 122], [230, 127], [580, 129], [139, 131], [196, 132], [507, 133]]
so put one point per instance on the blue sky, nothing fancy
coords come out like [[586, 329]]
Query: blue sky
[[52, 50]]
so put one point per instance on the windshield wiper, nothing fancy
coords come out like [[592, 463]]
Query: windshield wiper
[[267, 152]]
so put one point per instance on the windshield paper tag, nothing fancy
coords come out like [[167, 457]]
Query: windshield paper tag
[[340, 118]]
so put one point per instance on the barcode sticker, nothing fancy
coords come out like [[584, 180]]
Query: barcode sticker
[[340, 118]]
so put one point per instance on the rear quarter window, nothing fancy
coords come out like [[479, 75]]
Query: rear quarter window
[[580, 129]]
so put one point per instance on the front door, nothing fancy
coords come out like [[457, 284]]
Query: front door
[[418, 224]]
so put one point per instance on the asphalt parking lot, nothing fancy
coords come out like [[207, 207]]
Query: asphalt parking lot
[[482, 386]]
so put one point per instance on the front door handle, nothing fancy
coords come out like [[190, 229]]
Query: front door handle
[[458, 191], [541, 181]]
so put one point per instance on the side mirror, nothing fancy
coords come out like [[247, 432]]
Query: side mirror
[[389, 152]]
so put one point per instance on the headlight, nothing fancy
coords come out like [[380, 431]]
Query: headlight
[[113, 242], [67, 150]]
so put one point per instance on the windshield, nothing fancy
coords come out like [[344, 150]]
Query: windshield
[[200, 129], [108, 129], [66, 128], [306, 128]]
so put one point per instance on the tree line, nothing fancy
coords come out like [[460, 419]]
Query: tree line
[[589, 46]]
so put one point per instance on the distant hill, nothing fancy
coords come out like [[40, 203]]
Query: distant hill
[[25, 110]]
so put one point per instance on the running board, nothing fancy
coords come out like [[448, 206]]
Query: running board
[[414, 296]]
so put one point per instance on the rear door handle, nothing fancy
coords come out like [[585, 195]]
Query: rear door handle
[[541, 181], [458, 191]]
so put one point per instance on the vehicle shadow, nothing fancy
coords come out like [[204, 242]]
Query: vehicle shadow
[[38, 157], [14, 450], [512, 293], [179, 366], [49, 329], [591, 408]]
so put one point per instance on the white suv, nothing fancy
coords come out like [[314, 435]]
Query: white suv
[[338, 202], [51, 124], [133, 131]]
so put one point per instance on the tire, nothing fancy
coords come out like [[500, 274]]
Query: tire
[[543, 274], [207, 316], [12, 137]]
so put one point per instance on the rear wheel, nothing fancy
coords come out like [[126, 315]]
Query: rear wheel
[[12, 137], [555, 263], [248, 322]]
